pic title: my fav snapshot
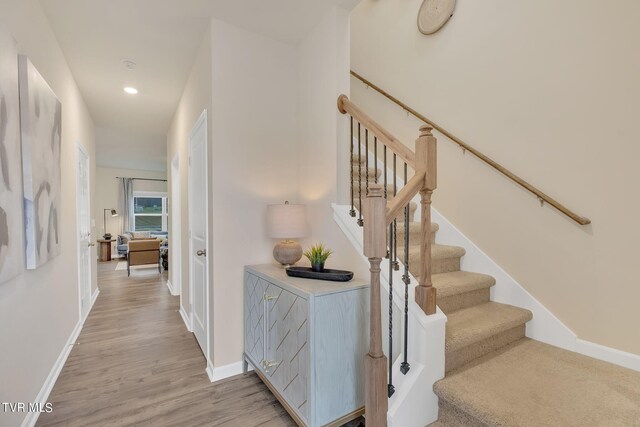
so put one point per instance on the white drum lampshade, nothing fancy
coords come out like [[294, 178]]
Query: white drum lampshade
[[287, 222]]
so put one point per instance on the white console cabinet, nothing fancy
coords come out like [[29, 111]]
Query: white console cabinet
[[307, 339]]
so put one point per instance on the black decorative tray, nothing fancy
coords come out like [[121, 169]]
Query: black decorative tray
[[327, 274]]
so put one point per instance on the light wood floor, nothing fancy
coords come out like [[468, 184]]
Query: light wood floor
[[136, 364]]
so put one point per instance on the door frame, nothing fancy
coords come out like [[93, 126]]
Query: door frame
[[83, 315], [202, 121], [175, 218]]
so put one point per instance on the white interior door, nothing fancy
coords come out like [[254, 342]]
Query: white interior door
[[84, 232], [198, 245]]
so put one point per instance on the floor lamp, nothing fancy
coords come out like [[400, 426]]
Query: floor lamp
[[107, 236]]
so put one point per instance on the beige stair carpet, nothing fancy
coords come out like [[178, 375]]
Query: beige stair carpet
[[529, 383], [495, 376]]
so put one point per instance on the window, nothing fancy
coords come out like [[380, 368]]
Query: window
[[150, 211]]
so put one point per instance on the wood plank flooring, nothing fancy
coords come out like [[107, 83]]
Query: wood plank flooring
[[135, 363]]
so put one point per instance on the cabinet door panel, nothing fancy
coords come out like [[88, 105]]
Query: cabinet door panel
[[287, 334], [254, 313]]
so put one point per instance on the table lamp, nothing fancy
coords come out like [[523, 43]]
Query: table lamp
[[287, 222]]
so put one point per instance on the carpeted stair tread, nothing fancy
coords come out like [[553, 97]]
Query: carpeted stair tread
[[528, 383], [444, 258], [458, 282], [415, 233], [481, 322], [437, 252], [416, 228]]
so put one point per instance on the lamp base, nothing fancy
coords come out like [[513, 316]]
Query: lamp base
[[287, 252]]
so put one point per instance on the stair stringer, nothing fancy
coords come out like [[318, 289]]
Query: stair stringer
[[414, 403], [544, 326]]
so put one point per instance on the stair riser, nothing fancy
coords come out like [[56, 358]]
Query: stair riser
[[443, 265], [414, 237], [453, 303], [450, 416], [438, 265], [464, 355]]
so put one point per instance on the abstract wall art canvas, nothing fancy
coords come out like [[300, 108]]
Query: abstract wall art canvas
[[41, 122], [11, 225]]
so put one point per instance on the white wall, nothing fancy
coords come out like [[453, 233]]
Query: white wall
[[273, 136], [39, 309], [195, 99], [107, 194], [549, 89], [323, 135], [253, 131]]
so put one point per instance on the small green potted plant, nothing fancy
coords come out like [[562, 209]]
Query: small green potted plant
[[317, 256]]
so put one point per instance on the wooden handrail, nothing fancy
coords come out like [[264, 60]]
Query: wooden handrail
[[346, 106], [539, 194], [402, 199], [378, 214]]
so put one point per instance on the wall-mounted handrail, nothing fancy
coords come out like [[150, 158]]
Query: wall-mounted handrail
[[539, 194]]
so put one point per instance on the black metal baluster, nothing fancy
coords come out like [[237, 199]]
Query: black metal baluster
[[384, 150], [390, 388], [404, 366], [352, 212], [366, 159], [360, 222], [396, 264], [375, 159]]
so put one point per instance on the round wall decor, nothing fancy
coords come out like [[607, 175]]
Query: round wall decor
[[433, 14]]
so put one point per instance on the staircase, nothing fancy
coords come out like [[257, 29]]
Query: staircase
[[494, 375], [475, 325]]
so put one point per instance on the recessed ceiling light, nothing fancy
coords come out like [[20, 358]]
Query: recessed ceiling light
[[131, 90]]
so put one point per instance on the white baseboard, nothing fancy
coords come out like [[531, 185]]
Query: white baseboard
[[608, 354], [170, 287], [94, 297], [173, 288], [226, 371], [545, 326], [185, 318], [210, 371], [42, 397]]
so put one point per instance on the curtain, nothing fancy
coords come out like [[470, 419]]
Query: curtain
[[125, 208]]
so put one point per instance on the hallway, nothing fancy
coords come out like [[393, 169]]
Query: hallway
[[136, 364]]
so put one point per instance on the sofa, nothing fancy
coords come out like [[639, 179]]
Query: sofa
[[143, 252], [124, 239]]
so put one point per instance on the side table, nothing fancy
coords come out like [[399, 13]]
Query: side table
[[104, 253]]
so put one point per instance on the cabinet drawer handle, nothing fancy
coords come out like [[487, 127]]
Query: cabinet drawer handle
[[268, 364]]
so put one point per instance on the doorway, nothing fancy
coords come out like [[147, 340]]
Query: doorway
[[198, 234], [85, 243]]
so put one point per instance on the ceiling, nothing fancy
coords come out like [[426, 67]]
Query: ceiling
[[162, 37], [121, 149]]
